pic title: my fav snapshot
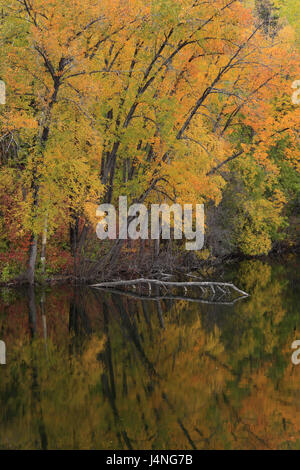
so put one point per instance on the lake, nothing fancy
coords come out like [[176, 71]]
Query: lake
[[89, 369]]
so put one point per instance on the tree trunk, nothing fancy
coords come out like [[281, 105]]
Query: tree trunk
[[35, 185], [32, 259], [44, 242], [74, 234]]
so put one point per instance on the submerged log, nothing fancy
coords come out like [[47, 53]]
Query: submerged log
[[135, 296], [224, 288]]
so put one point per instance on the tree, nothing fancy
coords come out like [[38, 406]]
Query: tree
[[184, 102]]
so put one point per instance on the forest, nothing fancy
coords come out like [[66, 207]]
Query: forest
[[187, 102]]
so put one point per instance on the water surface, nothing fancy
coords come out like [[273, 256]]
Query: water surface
[[87, 369]]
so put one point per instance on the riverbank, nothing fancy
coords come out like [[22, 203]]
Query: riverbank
[[180, 266]]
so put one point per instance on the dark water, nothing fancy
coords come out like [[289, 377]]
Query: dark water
[[92, 370]]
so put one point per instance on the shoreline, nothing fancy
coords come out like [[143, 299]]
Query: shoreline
[[181, 269]]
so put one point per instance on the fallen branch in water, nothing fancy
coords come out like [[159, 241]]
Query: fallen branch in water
[[171, 297], [202, 285]]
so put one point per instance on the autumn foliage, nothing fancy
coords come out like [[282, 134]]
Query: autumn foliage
[[161, 101]]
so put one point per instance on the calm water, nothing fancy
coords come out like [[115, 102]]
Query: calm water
[[92, 370]]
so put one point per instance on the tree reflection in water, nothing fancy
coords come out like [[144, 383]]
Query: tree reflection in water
[[88, 369]]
